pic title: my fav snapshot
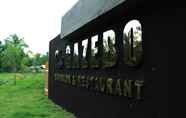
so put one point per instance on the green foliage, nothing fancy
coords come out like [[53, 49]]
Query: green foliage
[[13, 53], [26, 99], [1, 50], [39, 59], [15, 59]]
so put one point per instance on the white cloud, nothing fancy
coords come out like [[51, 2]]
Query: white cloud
[[38, 21]]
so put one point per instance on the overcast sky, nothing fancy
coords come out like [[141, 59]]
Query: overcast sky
[[38, 21]]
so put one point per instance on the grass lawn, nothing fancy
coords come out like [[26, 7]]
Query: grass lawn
[[26, 99]]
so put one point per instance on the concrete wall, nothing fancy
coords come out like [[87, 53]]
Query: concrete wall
[[85, 11]]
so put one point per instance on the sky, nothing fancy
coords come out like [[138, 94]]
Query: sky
[[37, 21]]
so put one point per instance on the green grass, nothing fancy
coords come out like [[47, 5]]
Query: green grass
[[26, 99]]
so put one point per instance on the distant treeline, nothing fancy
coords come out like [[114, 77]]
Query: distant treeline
[[14, 58]]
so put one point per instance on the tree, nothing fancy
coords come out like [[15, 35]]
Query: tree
[[40, 59], [13, 53], [1, 50], [14, 58]]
